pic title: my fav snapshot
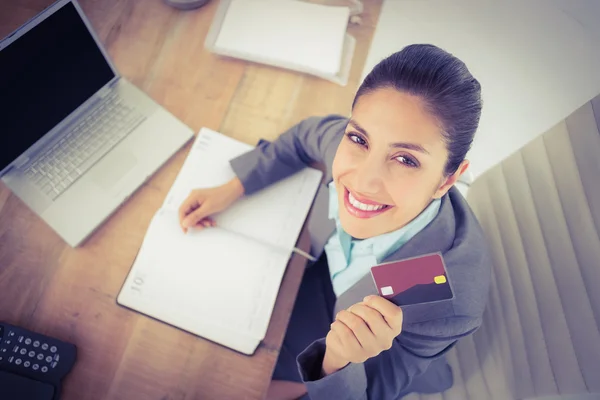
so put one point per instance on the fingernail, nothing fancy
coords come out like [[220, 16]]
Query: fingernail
[[367, 298]]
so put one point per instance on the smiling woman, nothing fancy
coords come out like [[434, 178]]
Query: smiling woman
[[391, 168], [393, 155], [413, 122]]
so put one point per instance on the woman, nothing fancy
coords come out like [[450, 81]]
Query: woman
[[391, 168]]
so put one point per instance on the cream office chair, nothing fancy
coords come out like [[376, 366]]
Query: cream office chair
[[540, 211]]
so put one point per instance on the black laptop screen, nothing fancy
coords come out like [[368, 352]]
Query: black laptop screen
[[45, 75]]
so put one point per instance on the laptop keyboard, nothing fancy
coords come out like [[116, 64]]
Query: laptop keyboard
[[85, 144]]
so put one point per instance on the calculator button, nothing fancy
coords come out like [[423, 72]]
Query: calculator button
[[36, 343], [10, 359], [31, 353], [8, 341], [54, 364], [53, 349], [3, 350], [40, 356], [44, 369], [18, 361], [24, 351], [15, 349], [35, 367], [27, 341], [20, 339], [49, 359], [1, 358], [26, 364], [45, 346], [11, 334], [56, 357]]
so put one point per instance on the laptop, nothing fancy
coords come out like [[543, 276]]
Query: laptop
[[77, 139]]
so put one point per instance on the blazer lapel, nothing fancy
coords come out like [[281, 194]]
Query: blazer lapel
[[320, 226]]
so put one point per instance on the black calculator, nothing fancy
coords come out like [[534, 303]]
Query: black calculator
[[32, 365]]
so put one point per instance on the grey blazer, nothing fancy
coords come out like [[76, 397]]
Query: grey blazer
[[429, 330]]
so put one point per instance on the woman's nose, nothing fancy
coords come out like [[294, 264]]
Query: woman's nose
[[368, 177]]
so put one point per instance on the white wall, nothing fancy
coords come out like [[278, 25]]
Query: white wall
[[537, 60], [585, 12]]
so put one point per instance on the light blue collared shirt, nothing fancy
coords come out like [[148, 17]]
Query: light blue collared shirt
[[350, 259]]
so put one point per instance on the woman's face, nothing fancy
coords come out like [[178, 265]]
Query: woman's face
[[390, 164]]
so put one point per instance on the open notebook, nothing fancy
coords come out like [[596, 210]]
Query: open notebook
[[219, 283]]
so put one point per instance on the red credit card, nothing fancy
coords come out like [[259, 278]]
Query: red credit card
[[412, 281]]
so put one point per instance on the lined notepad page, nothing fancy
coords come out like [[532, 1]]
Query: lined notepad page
[[286, 32], [204, 281], [273, 215], [219, 283]]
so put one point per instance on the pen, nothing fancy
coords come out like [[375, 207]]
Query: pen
[[304, 254]]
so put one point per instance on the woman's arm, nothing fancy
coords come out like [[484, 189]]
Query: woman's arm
[[311, 141], [389, 374]]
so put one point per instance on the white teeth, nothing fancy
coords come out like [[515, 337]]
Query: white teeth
[[362, 206]]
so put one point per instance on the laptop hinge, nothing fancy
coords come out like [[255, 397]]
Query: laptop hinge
[[21, 161], [108, 88], [6, 171]]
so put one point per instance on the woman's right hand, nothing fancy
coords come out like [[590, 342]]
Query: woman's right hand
[[196, 210]]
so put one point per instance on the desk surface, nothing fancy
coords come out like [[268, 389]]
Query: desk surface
[[69, 293]]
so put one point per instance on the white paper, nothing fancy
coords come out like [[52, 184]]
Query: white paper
[[273, 215], [299, 34], [207, 165], [220, 283], [210, 274]]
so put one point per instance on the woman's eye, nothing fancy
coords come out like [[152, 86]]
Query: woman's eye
[[356, 139], [407, 161]]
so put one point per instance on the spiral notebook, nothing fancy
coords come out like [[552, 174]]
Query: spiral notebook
[[219, 283]]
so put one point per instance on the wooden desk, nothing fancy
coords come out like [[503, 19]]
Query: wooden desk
[[69, 293]]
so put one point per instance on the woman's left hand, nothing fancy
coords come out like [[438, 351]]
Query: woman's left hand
[[361, 332]]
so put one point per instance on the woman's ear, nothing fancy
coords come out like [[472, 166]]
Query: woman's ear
[[450, 180]]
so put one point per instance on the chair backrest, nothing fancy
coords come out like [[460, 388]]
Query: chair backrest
[[540, 211]]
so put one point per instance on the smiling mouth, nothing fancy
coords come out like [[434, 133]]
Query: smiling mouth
[[360, 209]]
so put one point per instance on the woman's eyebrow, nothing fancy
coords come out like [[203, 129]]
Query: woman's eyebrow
[[403, 145]]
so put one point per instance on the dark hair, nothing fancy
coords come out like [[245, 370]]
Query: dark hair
[[451, 94]]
